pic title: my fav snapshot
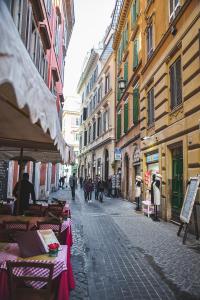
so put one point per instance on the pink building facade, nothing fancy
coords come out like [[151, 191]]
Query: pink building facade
[[45, 27]]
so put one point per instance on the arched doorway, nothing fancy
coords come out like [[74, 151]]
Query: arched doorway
[[126, 165], [106, 159]]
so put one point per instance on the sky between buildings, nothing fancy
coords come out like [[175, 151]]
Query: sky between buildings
[[91, 20]]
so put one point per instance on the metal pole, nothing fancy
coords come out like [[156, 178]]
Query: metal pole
[[21, 171]]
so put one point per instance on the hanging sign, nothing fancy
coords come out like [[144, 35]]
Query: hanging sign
[[118, 154]]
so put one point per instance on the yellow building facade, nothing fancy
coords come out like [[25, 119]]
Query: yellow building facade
[[168, 75]]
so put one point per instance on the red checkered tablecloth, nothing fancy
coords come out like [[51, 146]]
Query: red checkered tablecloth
[[12, 252]]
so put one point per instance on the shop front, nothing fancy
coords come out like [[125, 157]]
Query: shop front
[[136, 166], [152, 167]]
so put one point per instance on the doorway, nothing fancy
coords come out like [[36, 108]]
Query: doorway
[[177, 182]]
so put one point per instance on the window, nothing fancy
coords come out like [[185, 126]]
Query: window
[[77, 121], [149, 40], [134, 11], [150, 99], [175, 83], [89, 133], [99, 93], [135, 53], [126, 72], [174, 6], [119, 124], [126, 116], [119, 94], [76, 137], [48, 4], [82, 97], [84, 113], [107, 84], [94, 130], [135, 105], [99, 123], [85, 137]]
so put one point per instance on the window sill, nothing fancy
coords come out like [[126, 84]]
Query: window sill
[[176, 109]]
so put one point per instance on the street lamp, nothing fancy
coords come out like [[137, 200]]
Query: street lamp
[[121, 84]]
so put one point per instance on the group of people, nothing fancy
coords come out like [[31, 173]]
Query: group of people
[[88, 185]]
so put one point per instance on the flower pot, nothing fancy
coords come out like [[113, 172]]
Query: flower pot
[[53, 253]]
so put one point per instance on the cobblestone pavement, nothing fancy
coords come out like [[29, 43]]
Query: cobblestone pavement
[[120, 254]]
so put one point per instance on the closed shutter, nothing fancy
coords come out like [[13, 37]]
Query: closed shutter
[[118, 125], [135, 105], [133, 13], [150, 99], [118, 94], [137, 4], [135, 53], [126, 72], [125, 117]]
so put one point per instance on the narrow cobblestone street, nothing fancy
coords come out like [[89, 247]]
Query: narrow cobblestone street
[[120, 254]]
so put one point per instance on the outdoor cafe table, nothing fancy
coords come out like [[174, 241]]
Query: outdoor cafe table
[[62, 274], [66, 233]]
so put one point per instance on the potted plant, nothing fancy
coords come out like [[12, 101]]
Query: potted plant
[[53, 249]]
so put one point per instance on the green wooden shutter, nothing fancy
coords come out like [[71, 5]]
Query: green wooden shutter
[[133, 13], [137, 4], [135, 53], [126, 72], [118, 125], [135, 105], [126, 117]]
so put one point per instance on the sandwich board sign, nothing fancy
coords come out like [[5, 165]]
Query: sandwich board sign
[[189, 207], [189, 200]]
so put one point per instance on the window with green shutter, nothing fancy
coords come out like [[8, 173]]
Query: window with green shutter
[[135, 11], [126, 116], [135, 53], [126, 72], [118, 125], [150, 100], [135, 105]]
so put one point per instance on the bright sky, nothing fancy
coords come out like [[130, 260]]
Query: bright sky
[[91, 20]]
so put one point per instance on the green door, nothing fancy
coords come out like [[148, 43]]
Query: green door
[[177, 180]]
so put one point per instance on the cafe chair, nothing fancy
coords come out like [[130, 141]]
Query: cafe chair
[[56, 209], [34, 210], [54, 225], [5, 209], [30, 280], [16, 225]]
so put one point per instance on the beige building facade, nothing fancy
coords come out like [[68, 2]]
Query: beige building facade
[[97, 128]]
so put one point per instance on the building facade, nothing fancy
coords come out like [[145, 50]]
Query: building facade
[[71, 122], [45, 27], [163, 40], [128, 53], [97, 127], [170, 98]]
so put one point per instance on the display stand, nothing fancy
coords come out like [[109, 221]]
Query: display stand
[[188, 207]]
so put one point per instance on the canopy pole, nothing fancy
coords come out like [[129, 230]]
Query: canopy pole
[[21, 171]]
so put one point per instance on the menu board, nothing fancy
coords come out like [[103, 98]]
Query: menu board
[[189, 199]]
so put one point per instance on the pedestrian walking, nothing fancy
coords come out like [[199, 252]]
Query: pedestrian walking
[[25, 189], [90, 190], [73, 184], [96, 187], [81, 181], [110, 187], [86, 188], [101, 190]]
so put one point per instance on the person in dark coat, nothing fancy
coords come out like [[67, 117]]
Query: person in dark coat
[[26, 189]]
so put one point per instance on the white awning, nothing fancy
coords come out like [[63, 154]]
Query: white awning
[[24, 97]]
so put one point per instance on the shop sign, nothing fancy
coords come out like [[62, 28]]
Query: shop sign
[[118, 154], [152, 158]]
